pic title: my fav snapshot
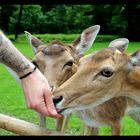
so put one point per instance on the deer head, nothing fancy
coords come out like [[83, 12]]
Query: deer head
[[58, 61], [101, 76]]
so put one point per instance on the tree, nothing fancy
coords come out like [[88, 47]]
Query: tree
[[132, 17], [119, 24], [6, 12], [18, 22], [32, 19]]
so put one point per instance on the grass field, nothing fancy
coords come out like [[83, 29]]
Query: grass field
[[12, 97]]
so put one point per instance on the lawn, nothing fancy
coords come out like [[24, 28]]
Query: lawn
[[12, 97]]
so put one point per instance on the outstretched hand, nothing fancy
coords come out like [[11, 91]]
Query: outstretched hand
[[38, 94]]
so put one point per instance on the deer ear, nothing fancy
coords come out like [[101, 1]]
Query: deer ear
[[135, 58], [33, 41], [121, 44], [86, 39]]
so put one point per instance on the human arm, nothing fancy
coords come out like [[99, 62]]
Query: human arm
[[35, 86]]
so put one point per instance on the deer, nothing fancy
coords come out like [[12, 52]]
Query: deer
[[104, 88], [55, 54]]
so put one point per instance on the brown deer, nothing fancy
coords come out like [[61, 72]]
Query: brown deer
[[100, 114], [101, 76]]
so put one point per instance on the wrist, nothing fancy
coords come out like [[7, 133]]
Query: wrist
[[26, 71], [29, 73]]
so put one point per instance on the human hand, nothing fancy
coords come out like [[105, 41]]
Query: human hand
[[38, 94]]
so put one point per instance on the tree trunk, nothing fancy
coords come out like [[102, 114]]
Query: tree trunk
[[18, 22]]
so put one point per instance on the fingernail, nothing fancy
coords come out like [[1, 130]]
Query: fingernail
[[54, 111]]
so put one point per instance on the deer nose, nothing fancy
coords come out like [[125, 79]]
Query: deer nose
[[57, 99]]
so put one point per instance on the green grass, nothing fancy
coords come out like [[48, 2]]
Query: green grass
[[12, 98]]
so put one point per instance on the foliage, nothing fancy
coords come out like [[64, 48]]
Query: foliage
[[32, 18], [116, 19], [6, 12]]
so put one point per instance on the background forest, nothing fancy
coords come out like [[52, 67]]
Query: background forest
[[116, 19]]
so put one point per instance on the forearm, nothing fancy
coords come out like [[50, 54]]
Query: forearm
[[10, 56]]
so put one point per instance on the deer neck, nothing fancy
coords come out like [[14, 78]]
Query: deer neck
[[131, 88]]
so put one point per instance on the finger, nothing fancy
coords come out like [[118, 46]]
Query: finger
[[50, 106], [42, 109]]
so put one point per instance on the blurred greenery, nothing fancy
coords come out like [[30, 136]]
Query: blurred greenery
[[114, 19]]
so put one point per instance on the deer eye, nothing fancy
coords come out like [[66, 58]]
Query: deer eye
[[69, 63], [106, 73]]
